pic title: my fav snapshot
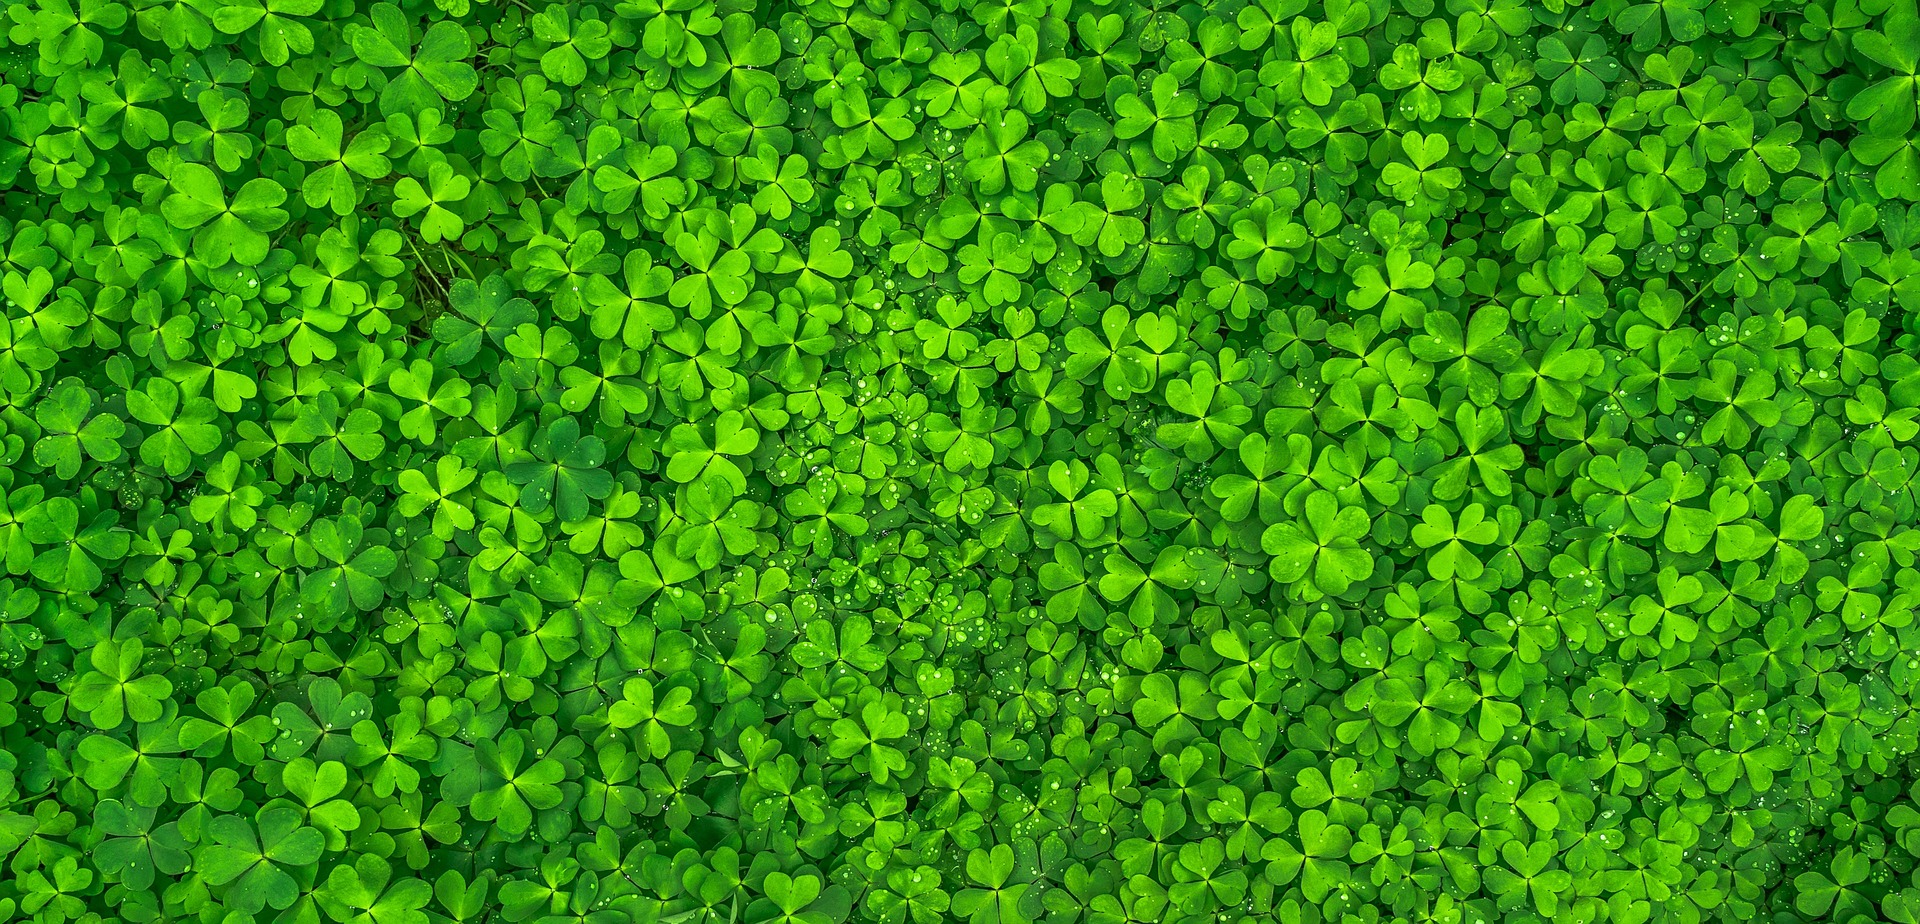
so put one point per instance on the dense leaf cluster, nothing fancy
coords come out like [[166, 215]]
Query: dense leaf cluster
[[506, 461]]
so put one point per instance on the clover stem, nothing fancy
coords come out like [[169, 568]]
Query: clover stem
[[428, 267], [448, 254]]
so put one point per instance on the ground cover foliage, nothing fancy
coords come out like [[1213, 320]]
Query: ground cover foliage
[[705, 461]]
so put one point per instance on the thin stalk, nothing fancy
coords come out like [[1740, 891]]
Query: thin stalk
[[428, 267]]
